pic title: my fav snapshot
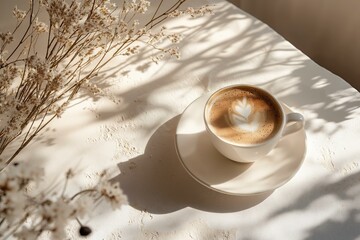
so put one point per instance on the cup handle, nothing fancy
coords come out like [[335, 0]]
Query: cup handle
[[297, 121]]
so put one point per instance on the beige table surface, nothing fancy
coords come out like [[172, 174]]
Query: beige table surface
[[131, 133]]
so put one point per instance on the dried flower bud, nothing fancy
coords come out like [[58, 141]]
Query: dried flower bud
[[6, 37], [112, 193], [84, 231], [19, 14], [69, 174], [40, 27], [174, 38]]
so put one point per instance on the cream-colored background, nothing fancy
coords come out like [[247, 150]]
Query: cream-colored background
[[131, 134], [328, 31]]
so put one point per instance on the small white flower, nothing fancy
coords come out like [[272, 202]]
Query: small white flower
[[174, 38], [27, 171], [19, 14], [143, 6], [40, 27], [57, 214], [173, 52], [112, 194], [176, 13], [13, 206], [6, 37]]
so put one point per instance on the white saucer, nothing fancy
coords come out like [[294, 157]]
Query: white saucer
[[213, 170]]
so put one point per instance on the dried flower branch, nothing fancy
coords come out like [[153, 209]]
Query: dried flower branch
[[37, 84], [81, 37], [27, 216]]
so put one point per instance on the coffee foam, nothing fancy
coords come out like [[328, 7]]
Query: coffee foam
[[243, 115]]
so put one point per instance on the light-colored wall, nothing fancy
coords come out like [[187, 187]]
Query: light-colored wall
[[328, 31]]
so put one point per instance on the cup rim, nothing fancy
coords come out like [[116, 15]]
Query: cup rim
[[248, 145]]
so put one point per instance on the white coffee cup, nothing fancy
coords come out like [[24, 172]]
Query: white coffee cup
[[225, 128]]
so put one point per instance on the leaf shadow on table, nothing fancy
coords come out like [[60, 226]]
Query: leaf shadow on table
[[330, 106], [157, 182], [332, 220], [258, 56]]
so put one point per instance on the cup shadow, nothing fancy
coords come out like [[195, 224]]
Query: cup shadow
[[225, 169], [157, 182]]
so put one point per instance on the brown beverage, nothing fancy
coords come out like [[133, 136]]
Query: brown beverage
[[243, 115]]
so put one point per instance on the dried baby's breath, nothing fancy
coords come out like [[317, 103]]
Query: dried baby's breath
[[36, 88], [38, 82], [47, 212], [19, 14]]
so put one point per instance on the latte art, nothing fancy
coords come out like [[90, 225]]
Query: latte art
[[243, 115]]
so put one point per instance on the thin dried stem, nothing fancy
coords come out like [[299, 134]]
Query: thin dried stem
[[80, 41]]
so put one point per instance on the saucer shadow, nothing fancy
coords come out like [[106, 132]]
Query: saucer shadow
[[158, 183]]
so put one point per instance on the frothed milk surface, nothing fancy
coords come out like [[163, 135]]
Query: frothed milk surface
[[243, 115]]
